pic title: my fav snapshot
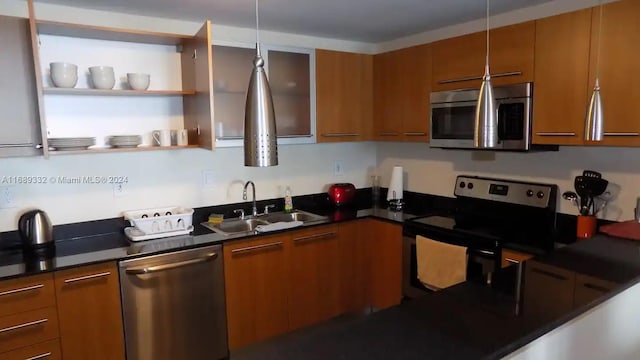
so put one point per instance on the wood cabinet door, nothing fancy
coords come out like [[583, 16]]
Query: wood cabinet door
[[354, 266], [344, 96], [384, 240], [256, 289], [619, 70], [561, 74], [548, 291], [589, 289], [458, 63], [314, 276], [89, 312], [197, 74], [402, 86]]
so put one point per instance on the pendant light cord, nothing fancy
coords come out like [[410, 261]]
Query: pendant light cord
[[257, 30], [599, 42], [487, 58]]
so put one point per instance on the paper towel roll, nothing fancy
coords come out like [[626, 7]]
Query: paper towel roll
[[395, 186]]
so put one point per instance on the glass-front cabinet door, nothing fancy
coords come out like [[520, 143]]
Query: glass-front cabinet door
[[291, 73]]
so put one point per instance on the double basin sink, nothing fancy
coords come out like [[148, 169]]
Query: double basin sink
[[249, 224]]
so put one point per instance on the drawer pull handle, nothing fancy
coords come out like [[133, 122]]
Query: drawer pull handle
[[315, 237], [340, 134], [549, 274], [389, 134], [41, 356], [469, 78], [15, 291], [621, 134], [415, 134], [87, 277], [556, 134], [257, 247], [21, 326], [596, 287], [170, 266]]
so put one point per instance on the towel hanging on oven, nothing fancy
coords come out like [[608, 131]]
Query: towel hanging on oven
[[440, 264]]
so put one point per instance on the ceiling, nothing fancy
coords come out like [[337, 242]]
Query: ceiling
[[361, 20]]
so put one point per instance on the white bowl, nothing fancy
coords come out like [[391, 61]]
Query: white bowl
[[102, 77], [64, 75], [138, 81]]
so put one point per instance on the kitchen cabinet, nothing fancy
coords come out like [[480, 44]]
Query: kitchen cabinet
[[402, 84], [551, 291], [90, 313], [458, 63], [189, 95], [354, 264], [314, 276], [619, 70], [19, 116], [561, 72], [49, 350], [344, 96], [292, 81], [384, 240], [256, 287]]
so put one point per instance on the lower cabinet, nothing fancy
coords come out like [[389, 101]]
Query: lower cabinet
[[89, 312], [49, 350], [354, 263], [550, 291], [384, 240], [256, 288]]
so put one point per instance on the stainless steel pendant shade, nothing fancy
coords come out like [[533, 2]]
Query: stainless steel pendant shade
[[486, 125], [594, 127], [260, 136]]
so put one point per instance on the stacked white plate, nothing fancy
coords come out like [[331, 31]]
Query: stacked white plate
[[71, 143], [125, 141]]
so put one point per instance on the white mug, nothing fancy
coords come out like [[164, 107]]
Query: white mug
[[161, 137], [182, 137]]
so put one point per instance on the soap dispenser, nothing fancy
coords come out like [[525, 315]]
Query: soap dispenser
[[288, 202]]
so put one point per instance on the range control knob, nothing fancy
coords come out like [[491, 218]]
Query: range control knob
[[462, 184], [470, 186], [529, 193], [540, 194]]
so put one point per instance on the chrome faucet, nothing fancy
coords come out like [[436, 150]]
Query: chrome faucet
[[254, 208]]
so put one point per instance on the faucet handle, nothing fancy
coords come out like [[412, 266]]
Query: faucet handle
[[267, 207], [239, 211]]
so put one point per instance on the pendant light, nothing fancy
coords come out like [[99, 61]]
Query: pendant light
[[260, 137], [485, 134], [594, 123]]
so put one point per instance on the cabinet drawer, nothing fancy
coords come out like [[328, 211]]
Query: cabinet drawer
[[24, 294], [28, 328], [315, 234], [548, 290], [49, 350], [589, 289]]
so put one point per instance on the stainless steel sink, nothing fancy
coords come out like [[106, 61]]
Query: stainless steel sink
[[249, 225]]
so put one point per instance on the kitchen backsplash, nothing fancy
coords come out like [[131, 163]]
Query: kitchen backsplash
[[434, 171]]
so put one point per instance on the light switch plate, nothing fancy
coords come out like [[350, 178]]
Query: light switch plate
[[7, 197], [338, 168]]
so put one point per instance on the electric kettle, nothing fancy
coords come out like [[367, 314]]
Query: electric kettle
[[35, 229]]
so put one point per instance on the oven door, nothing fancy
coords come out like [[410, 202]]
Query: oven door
[[452, 124]]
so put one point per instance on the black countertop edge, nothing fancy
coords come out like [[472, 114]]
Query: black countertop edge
[[115, 246]]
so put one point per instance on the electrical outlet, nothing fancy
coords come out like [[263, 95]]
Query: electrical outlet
[[338, 168], [119, 190], [208, 178], [7, 198]]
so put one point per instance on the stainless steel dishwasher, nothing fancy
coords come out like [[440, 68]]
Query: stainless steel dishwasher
[[174, 306]]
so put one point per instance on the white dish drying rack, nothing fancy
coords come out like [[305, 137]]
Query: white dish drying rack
[[158, 223]]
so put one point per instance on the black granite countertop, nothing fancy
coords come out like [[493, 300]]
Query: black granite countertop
[[466, 321], [115, 245]]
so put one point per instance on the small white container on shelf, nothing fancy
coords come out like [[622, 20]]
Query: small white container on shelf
[[160, 220]]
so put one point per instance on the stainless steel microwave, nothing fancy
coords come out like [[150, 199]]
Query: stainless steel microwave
[[453, 117]]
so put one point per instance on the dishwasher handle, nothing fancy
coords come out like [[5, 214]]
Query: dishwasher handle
[[169, 266]]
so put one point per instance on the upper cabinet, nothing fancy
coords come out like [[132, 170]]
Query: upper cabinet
[[459, 62], [561, 72], [619, 70], [19, 116], [344, 96], [402, 84], [291, 75]]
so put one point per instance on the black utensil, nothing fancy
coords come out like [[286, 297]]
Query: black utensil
[[591, 174], [582, 189]]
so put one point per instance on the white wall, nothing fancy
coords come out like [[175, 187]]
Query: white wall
[[166, 178], [609, 331], [434, 170]]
